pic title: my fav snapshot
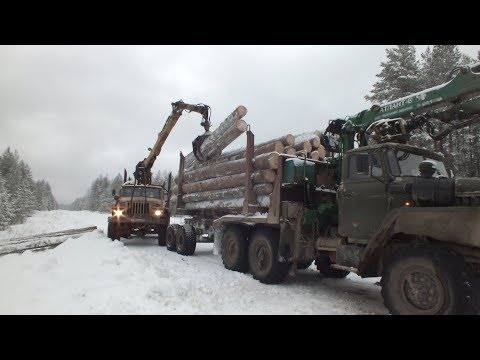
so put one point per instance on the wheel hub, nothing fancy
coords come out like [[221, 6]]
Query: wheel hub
[[232, 249], [262, 257], [423, 290]]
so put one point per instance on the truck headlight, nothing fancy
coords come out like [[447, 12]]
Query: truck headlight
[[118, 212], [158, 212]]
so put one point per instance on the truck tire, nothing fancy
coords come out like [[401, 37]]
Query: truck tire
[[235, 249], [427, 281], [113, 231], [186, 240], [323, 263], [171, 237], [162, 235], [263, 257]]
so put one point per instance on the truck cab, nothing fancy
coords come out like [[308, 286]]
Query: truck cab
[[403, 218], [374, 179], [139, 210]]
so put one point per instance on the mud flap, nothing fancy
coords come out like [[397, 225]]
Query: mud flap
[[217, 240]]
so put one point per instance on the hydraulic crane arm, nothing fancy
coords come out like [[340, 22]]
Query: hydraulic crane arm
[[450, 102], [143, 169]]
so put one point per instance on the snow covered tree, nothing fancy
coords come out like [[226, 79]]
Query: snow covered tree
[[117, 183], [44, 197], [398, 77], [20, 191], [6, 213], [161, 177], [436, 68], [437, 64]]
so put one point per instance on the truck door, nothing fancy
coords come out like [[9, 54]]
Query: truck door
[[361, 195]]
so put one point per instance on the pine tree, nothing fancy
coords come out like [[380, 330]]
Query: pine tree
[[436, 68], [438, 63], [117, 183], [161, 178], [398, 77], [6, 213]]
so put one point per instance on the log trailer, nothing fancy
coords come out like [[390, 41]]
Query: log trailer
[[142, 207], [380, 209]]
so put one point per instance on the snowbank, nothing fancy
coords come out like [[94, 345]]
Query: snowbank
[[94, 275]]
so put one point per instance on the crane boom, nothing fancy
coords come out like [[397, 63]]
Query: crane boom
[[454, 100], [143, 174]]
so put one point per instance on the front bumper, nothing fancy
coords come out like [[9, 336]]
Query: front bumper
[[163, 220]]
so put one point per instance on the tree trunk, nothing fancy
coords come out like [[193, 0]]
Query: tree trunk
[[305, 145], [311, 137], [266, 161], [234, 193], [224, 182], [215, 170], [234, 204], [290, 150], [264, 176], [221, 137], [314, 155], [263, 189]]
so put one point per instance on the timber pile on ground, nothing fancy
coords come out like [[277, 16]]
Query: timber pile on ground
[[220, 182], [41, 241]]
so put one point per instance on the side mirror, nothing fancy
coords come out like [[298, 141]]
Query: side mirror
[[114, 192]]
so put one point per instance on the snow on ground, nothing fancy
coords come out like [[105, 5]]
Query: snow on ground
[[94, 275]]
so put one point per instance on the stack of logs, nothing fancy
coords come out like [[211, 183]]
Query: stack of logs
[[219, 183]]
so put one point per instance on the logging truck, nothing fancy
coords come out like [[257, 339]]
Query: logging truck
[[141, 207], [381, 208]]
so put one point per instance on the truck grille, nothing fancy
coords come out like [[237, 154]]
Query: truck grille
[[138, 208]]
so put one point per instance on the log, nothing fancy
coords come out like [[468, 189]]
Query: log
[[305, 145], [311, 137], [31, 238], [259, 149], [290, 150], [275, 146], [264, 176], [238, 192], [287, 140], [234, 204], [228, 130], [215, 170], [315, 141], [302, 153], [314, 155], [263, 189], [41, 241], [322, 152], [266, 161], [224, 182], [215, 195]]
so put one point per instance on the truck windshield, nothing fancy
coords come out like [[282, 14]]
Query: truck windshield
[[406, 164], [140, 191]]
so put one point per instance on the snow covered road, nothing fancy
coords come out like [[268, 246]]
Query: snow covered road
[[93, 275]]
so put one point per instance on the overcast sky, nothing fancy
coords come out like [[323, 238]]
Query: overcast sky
[[75, 112]]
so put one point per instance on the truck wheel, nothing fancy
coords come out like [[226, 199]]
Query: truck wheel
[[162, 235], [323, 263], [421, 281], [186, 240], [263, 257], [171, 237], [235, 249], [112, 231]]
